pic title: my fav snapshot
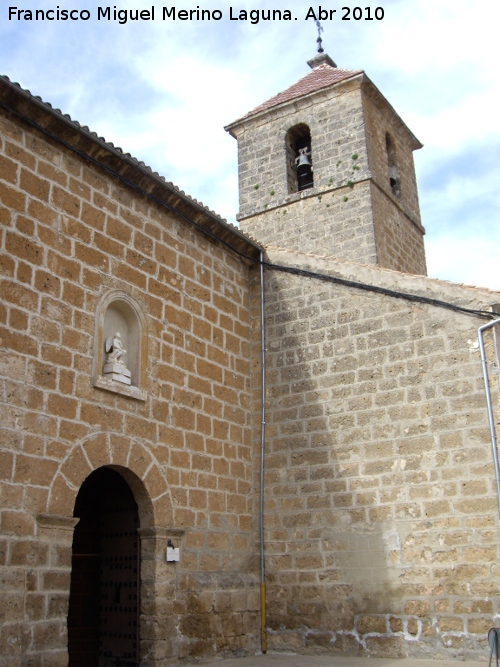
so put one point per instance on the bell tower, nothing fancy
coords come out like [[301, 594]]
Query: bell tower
[[326, 167]]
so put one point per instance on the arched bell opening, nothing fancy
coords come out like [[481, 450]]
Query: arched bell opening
[[104, 604], [299, 158]]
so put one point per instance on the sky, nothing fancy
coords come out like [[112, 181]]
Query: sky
[[163, 91]]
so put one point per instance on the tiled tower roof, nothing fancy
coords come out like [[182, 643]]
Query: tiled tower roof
[[324, 73]]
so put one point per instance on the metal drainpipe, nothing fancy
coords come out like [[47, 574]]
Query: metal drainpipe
[[263, 623], [488, 402]]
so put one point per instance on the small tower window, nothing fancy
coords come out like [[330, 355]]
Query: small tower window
[[299, 158], [392, 166]]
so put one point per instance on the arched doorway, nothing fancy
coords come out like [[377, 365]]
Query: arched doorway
[[103, 617]]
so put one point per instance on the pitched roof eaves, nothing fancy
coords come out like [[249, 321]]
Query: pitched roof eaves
[[262, 109], [126, 159]]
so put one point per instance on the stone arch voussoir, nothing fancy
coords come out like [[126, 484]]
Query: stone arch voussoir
[[128, 456]]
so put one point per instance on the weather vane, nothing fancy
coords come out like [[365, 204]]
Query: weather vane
[[319, 40]]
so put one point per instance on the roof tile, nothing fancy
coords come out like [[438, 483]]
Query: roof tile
[[320, 77]]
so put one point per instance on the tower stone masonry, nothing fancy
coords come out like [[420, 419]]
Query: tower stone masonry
[[363, 205]]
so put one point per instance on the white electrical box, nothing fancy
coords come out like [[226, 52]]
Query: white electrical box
[[173, 554]]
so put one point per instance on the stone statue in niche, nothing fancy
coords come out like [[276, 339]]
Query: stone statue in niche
[[114, 366]]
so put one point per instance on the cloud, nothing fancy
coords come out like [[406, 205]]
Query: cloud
[[461, 214], [467, 259]]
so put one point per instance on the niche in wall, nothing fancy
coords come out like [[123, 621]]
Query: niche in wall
[[125, 372]]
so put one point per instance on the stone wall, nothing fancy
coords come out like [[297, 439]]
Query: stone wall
[[71, 235], [339, 219], [399, 245], [381, 516]]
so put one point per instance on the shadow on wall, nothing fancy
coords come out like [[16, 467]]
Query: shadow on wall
[[376, 427]]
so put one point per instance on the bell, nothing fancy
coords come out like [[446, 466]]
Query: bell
[[302, 161]]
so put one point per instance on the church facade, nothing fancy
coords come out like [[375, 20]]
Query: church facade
[[131, 329]]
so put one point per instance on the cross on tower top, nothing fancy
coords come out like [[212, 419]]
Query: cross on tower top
[[319, 40]]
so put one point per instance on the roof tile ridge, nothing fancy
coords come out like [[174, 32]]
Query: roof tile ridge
[[382, 269]]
